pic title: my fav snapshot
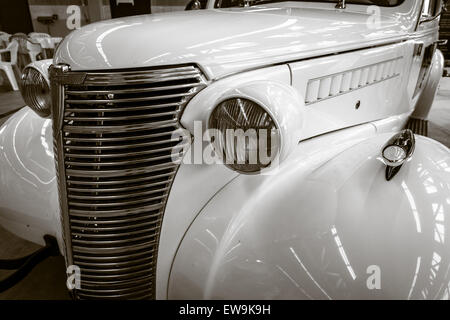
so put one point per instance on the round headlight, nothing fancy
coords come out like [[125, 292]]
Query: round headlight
[[36, 91], [244, 135]]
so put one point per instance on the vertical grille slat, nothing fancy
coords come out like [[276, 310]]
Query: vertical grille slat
[[119, 143]]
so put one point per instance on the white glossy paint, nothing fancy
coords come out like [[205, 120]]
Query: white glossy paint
[[278, 32], [29, 204], [385, 98], [270, 88], [427, 97], [313, 230], [283, 96], [194, 187], [213, 201]]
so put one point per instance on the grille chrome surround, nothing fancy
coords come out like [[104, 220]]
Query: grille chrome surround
[[115, 134]]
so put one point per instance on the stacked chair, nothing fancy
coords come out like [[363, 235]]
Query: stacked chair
[[38, 35], [19, 49], [8, 59], [47, 43], [4, 39]]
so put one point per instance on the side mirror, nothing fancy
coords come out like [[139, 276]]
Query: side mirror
[[194, 5], [427, 15]]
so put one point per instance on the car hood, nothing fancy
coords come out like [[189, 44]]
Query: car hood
[[224, 41]]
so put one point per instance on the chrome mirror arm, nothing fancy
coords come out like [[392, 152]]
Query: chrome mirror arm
[[341, 4], [443, 9]]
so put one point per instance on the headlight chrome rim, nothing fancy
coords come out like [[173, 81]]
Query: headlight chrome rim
[[274, 157], [35, 91]]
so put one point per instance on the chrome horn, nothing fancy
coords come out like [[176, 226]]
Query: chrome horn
[[397, 150]]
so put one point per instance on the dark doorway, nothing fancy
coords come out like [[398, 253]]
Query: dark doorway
[[444, 33], [15, 16], [125, 8]]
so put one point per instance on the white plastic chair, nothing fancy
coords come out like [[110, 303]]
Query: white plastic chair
[[48, 45], [4, 39], [34, 49], [56, 41], [6, 66], [37, 35]]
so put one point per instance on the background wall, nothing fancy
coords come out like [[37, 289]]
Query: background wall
[[168, 5], [125, 8], [15, 16], [91, 11]]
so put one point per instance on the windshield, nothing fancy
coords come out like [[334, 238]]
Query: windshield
[[241, 3]]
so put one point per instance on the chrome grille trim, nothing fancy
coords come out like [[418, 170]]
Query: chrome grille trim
[[71, 101], [121, 172], [94, 92], [123, 128], [113, 143]]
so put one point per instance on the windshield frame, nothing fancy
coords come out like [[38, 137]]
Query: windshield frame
[[353, 2]]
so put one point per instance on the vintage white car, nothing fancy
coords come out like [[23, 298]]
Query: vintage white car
[[352, 200]]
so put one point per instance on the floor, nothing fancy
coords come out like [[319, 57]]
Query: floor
[[10, 102], [47, 280]]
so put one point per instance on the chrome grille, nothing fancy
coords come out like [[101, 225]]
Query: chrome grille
[[116, 134]]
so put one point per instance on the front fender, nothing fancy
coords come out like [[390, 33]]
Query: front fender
[[323, 227], [428, 94], [29, 204]]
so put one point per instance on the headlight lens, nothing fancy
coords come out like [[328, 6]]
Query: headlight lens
[[36, 92], [244, 135], [394, 155]]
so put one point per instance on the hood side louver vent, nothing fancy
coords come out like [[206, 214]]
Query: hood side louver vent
[[333, 85]]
